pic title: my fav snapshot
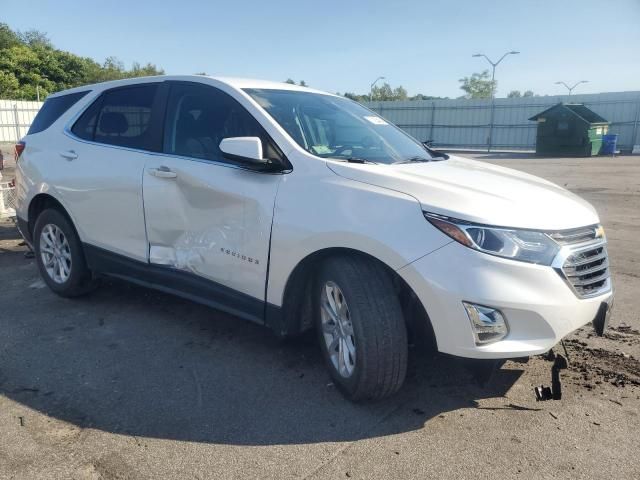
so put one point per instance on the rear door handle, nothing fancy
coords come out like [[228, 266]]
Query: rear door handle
[[162, 172], [69, 155]]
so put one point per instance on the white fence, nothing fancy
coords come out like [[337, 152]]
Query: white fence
[[474, 124], [15, 118], [479, 124], [7, 199]]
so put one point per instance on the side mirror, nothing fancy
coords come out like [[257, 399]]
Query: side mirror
[[243, 149]]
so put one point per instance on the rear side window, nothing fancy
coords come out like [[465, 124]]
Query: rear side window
[[53, 109], [119, 117]]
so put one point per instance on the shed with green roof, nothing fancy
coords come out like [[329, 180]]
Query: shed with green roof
[[569, 129]]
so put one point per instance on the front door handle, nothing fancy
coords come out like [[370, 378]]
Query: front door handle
[[69, 155], [162, 172]]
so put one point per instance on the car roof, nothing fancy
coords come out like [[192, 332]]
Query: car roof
[[236, 83]]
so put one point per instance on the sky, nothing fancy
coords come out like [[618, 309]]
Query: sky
[[344, 45]]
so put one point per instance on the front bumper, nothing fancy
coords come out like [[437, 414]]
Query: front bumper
[[540, 308]]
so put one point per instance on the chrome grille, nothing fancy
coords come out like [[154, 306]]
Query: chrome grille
[[575, 235], [586, 267]]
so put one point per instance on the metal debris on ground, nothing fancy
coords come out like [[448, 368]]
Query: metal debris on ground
[[543, 393], [560, 363], [550, 356], [555, 391], [566, 353]]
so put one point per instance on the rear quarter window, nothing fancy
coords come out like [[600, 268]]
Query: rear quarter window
[[53, 109], [120, 116]]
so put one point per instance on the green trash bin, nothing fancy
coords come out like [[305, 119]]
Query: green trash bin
[[595, 137]]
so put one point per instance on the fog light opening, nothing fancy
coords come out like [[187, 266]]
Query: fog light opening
[[488, 324]]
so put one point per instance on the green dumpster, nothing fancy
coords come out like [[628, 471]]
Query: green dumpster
[[569, 129]]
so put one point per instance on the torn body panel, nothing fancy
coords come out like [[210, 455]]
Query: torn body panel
[[211, 219]]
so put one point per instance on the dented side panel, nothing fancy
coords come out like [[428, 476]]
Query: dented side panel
[[212, 219]]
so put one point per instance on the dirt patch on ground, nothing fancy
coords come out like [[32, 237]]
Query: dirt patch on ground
[[626, 330], [590, 367]]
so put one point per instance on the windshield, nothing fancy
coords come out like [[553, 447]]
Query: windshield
[[336, 127]]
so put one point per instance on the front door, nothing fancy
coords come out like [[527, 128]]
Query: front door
[[204, 214]]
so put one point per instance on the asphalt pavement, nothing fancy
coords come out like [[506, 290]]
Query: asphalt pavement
[[128, 383]]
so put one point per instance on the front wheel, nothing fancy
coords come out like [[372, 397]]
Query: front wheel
[[361, 329]]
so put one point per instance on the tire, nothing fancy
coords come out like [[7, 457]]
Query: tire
[[59, 244], [372, 323]]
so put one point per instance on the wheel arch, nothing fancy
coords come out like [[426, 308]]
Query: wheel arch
[[297, 311], [41, 202]]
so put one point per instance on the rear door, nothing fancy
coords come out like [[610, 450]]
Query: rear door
[[100, 165], [205, 214]]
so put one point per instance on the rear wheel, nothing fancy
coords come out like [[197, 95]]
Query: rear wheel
[[361, 328], [59, 255]]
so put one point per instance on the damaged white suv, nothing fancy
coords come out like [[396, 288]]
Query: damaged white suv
[[302, 210]]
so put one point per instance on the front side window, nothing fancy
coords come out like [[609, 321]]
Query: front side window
[[119, 117], [335, 127], [199, 117], [85, 126]]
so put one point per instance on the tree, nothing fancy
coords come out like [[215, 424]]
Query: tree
[[29, 62], [34, 38], [517, 94], [384, 92], [420, 96], [293, 82], [9, 85], [8, 38], [144, 71], [479, 85], [356, 97]]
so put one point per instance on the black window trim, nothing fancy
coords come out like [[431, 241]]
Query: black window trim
[[162, 97]]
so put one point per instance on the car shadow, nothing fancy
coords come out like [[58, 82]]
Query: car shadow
[[132, 361]]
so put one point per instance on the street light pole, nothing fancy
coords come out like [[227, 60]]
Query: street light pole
[[373, 85], [493, 90], [572, 87], [493, 67]]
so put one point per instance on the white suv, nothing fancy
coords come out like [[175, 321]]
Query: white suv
[[298, 209]]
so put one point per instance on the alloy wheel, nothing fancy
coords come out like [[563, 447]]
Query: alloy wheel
[[337, 329], [55, 253]]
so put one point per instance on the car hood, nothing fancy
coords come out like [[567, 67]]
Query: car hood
[[478, 192]]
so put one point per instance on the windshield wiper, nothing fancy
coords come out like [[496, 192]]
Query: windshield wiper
[[416, 159], [353, 160]]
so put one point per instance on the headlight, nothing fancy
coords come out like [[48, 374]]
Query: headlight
[[523, 245]]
